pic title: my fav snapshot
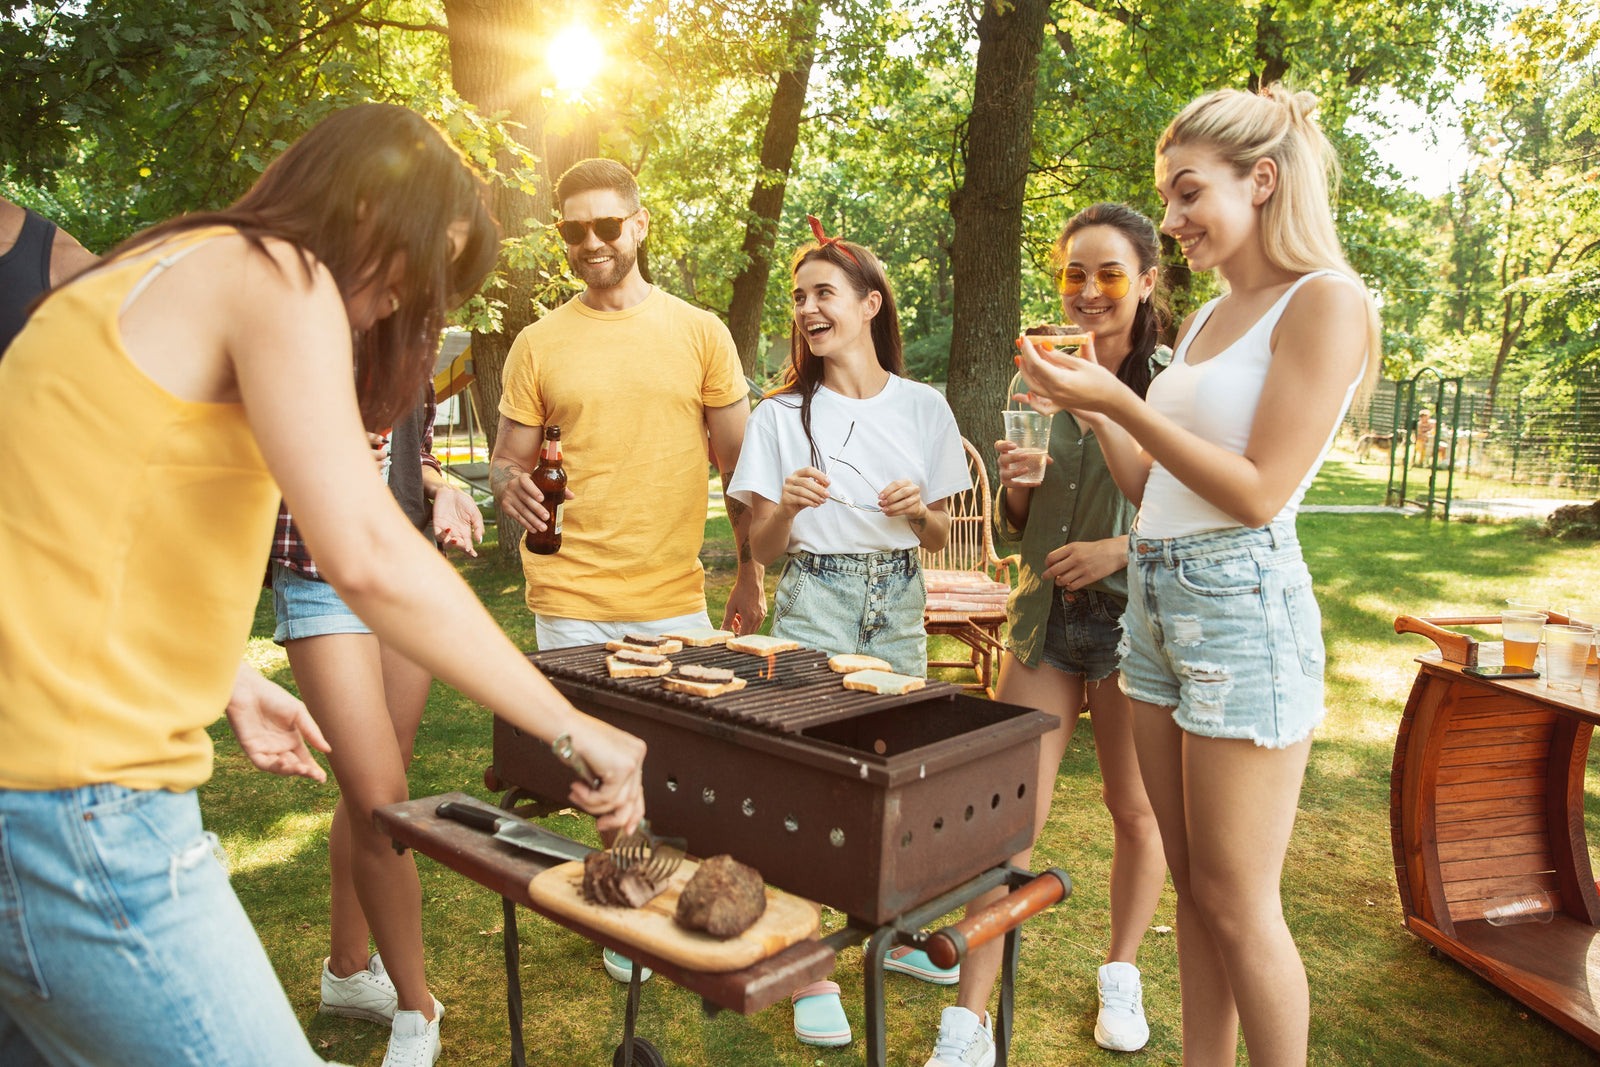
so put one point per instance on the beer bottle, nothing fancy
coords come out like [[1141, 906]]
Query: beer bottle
[[550, 478]]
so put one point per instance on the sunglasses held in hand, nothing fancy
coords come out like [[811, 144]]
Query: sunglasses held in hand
[[573, 231], [1112, 283]]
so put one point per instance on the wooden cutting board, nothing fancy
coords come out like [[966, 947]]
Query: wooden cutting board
[[787, 920]]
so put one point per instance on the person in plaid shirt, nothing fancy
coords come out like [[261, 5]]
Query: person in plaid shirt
[[368, 699]]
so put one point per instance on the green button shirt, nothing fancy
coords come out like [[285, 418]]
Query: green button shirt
[[1078, 501]]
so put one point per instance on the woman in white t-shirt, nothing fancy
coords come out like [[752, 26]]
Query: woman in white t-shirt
[[1224, 657], [846, 468]]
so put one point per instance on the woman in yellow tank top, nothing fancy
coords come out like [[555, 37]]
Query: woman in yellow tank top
[[208, 365]]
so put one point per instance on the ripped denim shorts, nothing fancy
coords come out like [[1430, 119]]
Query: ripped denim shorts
[[1223, 628]]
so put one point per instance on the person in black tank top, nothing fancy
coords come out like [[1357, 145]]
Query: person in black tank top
[[26, 266]]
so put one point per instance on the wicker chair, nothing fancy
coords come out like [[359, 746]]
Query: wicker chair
[[967, 583]]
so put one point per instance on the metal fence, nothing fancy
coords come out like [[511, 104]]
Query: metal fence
[[1541, 443]]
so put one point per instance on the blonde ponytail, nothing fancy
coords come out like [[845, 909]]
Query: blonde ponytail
[[1297, 228]]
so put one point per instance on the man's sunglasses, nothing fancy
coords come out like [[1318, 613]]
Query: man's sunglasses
[[573, 231], [1112, 283]]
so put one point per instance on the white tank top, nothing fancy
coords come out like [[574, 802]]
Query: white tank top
[[1217, 400]]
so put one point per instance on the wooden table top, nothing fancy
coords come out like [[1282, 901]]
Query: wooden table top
[[508, 870], [1584, 703]]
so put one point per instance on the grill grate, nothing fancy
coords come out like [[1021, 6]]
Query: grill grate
[[802, 692]]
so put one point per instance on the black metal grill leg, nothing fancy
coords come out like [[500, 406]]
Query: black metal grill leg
[[631, 1014], [1008, 989], [872, 965], [513, 982]]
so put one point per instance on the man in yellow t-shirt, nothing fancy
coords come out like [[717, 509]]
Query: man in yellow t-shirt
[[635, 379]]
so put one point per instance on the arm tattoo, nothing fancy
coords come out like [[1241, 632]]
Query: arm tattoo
[[736, 510], [919, 524], [501, 475]]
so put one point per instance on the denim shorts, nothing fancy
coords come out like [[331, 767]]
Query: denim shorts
[[1223, 628], [121, 942], [306, 607], [869, 603], [1082, 635]]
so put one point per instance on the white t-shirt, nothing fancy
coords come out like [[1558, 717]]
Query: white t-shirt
[[906, 431], [1217, 400]]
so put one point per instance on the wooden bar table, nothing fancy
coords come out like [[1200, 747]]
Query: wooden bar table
[[1486, 800]]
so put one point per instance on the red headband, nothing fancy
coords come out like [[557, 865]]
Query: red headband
[[837, 242]]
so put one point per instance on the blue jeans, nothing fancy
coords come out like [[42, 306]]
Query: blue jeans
[[868, 603], [1223, 628], [122, 943]]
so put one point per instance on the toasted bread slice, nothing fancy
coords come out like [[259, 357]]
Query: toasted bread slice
[[882, 682], [630, 643], [757, 645], [849, 663], [631, 664], [701, 637], [679, 684], [696, 673]]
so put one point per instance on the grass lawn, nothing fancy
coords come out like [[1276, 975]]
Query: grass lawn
[[1377, 996]]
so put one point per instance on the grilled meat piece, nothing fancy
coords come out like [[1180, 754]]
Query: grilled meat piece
[[724, 898], [603, 883]]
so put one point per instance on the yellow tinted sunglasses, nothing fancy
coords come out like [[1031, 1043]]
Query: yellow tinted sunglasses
[[1112, 283]]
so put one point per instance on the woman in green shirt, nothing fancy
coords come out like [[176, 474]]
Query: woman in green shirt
[[1071, 532]]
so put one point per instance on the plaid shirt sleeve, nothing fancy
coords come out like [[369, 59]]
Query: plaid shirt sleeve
[[430, 411], [289, 550]]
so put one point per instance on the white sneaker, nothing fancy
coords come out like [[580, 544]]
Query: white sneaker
[[964, 1040], [413, 1040], [1120, 1026], [367, 994]]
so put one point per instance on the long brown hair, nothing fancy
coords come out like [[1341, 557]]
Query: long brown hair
[[368, 187], [1151, 316], [865, 275]]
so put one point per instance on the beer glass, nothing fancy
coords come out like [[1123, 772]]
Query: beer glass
[[1522, 631]]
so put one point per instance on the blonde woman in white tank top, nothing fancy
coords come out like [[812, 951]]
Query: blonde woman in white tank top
[[1223, 656]]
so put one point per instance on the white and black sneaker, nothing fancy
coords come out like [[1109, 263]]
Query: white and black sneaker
[[1120, 1026], [964, 1040]]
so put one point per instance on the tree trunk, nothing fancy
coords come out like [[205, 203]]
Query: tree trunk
[[766, 201], [489, 68], [986, 252]]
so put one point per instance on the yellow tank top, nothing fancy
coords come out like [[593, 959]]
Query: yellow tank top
[[133, 535]]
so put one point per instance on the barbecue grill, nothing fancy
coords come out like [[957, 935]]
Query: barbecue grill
[[871, 804]]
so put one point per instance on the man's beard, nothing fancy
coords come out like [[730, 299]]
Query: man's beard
[[603, 276]]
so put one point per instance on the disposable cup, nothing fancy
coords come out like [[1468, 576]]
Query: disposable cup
[[1522, 631], [1030, 432], [1527, 904], [1519, 604], [1566, 655], [1587, 615]]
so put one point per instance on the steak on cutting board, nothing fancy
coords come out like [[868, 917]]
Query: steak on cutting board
[[724, 898]]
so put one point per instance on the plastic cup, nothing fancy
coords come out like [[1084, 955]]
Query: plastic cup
[[1522, 631], [1530, 904], [1587, 615], [1515, 604], [1030, 432], [1566, 655]]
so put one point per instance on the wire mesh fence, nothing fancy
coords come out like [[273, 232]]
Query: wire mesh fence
[[1542, 443]]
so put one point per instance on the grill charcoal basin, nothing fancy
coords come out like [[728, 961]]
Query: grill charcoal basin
[[871, 814]]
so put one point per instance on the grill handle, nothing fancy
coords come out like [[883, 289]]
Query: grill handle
[[950, 946]]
